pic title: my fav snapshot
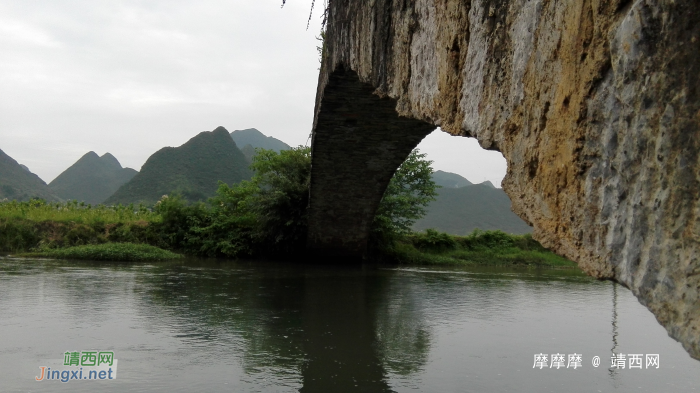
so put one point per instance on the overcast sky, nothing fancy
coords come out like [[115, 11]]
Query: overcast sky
[[130, 77]]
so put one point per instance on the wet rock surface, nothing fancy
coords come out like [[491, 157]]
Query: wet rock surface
[[594, 104]]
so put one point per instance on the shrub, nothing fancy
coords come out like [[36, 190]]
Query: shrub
[[17, 235], [179, 222], [488, 239], [433, 240]]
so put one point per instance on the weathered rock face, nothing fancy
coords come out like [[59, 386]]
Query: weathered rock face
[[594, 104]]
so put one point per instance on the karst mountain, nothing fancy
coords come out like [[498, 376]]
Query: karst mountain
[[192, 170], [18, 183], [250, 138], [92, 179], [459, 210]]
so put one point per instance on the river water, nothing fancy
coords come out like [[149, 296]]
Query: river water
[[224, 326]]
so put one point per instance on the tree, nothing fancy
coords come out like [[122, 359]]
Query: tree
[[267, 216], [405, 199], [271, 207]]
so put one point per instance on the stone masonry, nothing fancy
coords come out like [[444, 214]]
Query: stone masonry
[[594, 104]]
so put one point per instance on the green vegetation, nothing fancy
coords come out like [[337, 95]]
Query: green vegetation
[[129, 252], [92, 179], [404, 202], [192, 170], [37, 224], [17, 183], [478, 248], [265, 216], [72, 211]]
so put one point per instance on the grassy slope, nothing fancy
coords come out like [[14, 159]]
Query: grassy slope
[[108, 252], [193, 169], [92, 179], [19, 184], [478, 248], [459, 211]]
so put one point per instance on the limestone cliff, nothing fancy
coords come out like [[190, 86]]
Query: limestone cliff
[[594, 104]]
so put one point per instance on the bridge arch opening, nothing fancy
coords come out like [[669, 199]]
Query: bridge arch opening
[[463, 156], [358, 141]]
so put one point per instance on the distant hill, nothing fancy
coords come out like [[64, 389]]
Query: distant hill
[[487, 184], [17, 182], [459, 211], [248, 152], [193, 169], [92, 178], [255, 138], [449, 179]]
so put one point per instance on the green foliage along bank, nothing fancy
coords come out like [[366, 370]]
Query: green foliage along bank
[[73, 211], [128, 252], [26, 226], [409, 191], [264, 217], [478, 248]]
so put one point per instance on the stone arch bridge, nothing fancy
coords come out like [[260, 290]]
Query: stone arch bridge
[[595, 105]]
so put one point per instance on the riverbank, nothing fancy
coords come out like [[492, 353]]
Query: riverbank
[[35, 225], [126, 252], [490, 248], [78, 231]]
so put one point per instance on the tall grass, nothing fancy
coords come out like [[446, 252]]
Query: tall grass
[[37, 224], [72, 211]]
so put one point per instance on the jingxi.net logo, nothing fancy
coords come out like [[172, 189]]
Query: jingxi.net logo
[[81, 366]]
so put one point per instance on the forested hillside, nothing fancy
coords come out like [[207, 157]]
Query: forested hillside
[[193, 170], [17, 182], [255, 138], [92, 179], [459, 211]]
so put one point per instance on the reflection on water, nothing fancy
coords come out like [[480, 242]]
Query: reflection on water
[[262, 327], [613, 350]]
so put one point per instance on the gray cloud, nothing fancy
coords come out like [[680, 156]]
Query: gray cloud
[[130, 77]]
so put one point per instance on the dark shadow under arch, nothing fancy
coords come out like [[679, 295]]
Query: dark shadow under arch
[[358, 142]]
